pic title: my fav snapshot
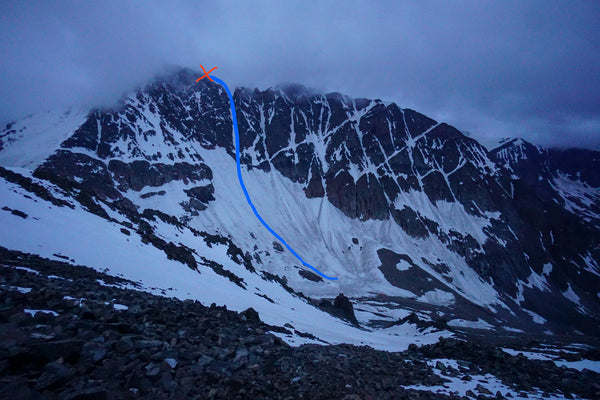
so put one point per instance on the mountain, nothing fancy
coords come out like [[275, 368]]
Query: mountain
[[424, 227]]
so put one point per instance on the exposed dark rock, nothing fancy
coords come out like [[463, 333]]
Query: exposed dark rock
[[341, 308], [277, 246], [18, 213], [410, 221], [161, 347], [29, 185], [343, 304], [199, 196], [76, 170], [54, 350], [311, 276], [150, 194], [250, 314], [139, 174]]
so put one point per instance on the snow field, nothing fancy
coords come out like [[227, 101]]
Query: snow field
[[92, 241]]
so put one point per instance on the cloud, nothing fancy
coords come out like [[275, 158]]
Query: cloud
[[494, 69]]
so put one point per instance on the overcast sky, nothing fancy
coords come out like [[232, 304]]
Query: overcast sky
[[492, 69]]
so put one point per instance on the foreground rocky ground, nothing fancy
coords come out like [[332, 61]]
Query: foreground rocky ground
[[73, 333]]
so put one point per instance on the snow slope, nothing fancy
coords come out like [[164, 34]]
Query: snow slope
[[29, 141], [89, 240], [321, 234]]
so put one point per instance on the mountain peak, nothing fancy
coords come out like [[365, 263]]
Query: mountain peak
[[296, 91], [384, 197], [515, 143], [514, 151]]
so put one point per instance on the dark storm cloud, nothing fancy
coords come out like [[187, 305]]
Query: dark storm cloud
[[494, 69]]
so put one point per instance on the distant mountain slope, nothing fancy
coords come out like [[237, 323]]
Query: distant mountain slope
[[409, 213]]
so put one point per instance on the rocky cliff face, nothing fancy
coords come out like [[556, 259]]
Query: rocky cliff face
[[360, 153], [519, 223]]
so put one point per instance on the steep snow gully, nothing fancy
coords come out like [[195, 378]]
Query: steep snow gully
[[241, 180]]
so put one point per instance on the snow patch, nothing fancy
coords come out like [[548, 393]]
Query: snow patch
[[403, 265], [20, 289], [538, 319], [579, 198], [437, 297], [573, 297], [37, 136], [463, 323], [448, 215], [592, 365], [32, 271], [34, 312], [460, 387], [534, 281]]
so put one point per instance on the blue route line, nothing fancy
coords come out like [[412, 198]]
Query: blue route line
[[239, 173]]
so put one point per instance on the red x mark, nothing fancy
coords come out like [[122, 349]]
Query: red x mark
[[205, 73]]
